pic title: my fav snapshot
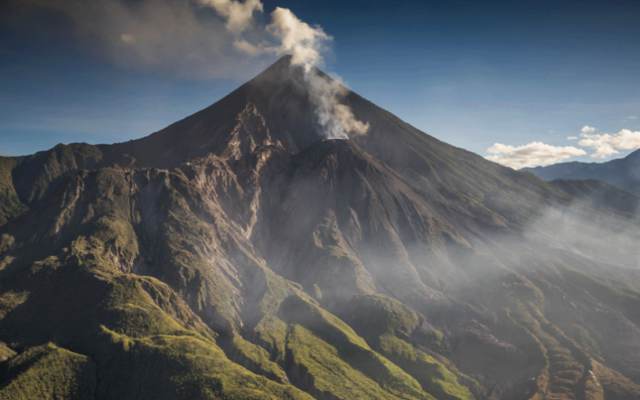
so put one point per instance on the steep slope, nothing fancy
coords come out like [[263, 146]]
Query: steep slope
[[623, 173], [239, 254]]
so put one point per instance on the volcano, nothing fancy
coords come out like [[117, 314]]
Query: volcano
[[240, 254]]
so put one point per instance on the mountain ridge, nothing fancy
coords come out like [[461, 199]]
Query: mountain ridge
[[623, 172]]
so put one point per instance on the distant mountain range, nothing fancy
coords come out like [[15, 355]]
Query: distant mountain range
[[623, 173], [239, 254]]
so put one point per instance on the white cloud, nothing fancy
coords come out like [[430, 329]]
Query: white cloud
[[531, 155], [600, 144], [608, 144]]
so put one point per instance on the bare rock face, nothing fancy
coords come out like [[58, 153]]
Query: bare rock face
[[239, 254]]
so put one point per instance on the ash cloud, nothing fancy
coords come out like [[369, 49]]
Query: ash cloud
[[205, 39], [175, 37]]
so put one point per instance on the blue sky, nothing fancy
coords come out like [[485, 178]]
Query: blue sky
[[472, 73]]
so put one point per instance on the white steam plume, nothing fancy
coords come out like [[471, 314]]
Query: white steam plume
[[336, 119], [303, 42], [305, 45]]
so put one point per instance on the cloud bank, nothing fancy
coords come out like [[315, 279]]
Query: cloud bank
[[606, 145], [601, 146], [531, 154]]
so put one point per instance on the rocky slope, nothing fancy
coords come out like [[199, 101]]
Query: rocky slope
[[238, 255]]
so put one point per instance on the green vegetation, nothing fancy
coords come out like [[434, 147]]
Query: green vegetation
[[183, 367], [148, 341], [318, 367], [48, 372], [256, 359], [10, 204], [383, 321], [432, 374], [340, 341]]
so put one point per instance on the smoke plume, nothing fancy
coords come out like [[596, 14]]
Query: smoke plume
[[303, 42], [336, 119], [306, 44]]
